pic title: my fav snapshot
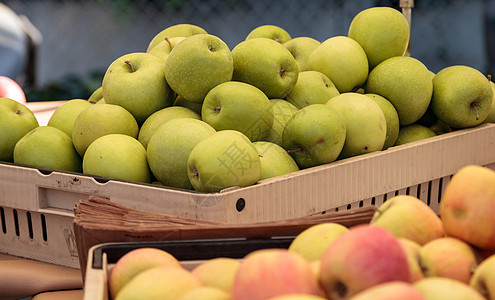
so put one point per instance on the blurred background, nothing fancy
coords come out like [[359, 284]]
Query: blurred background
[[60, 49]]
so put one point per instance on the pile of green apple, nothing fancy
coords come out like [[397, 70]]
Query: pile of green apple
[[406, 251], [190, 113]]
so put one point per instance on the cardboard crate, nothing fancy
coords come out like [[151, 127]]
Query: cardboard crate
[[36, 206], [190, 253]]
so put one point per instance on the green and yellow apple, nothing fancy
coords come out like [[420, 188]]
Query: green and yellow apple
[[117, 156], [160, 117], [96, 96], [434, 288], [275, 161], [342, 60], [136, 81], [282, 111], [134, 262], [178, 30], [391, 118], [314, 135], [312, 87], [205, 293], [419, 267], [218, 272], [383, 32], [301, 48], [312, 242], [98, 120], [390, 291], [267, 273], [406, 83], [225, 159], [170, 146], [267, 65], [65, 115], [272, 32], [198, 64], [462, 96], [451, 258], [16, 120], [194, 106], [413, 132], [483, 279], [399, 215], [238, 106], [366, 126], [162, 282], [47, 147], [468, 201], [491, 116]]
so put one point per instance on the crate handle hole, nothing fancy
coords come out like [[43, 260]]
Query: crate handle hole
[[43, 227], [30, 224], [240, 204], [4, 223], [16, 223]]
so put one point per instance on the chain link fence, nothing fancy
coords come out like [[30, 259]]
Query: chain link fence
[[81, 38]]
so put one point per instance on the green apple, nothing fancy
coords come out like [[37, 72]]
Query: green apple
[[275, 161], [178, 30], [65, 115], [391, 118], [312, 242], [301, 48], [197, 64], [99, 120], [47, 147], [16, 120], [273, 32], [160, 117], [238, 106], [225, 159], [267, 65], [117, 156], [413, 132], [136, 81], [163, 48], [462, 96], [383, 32], [170, 146], [343, 60], [404, 81], [96, 96], [314, 135], [491, 116], [282, 111], [194, 106], [312, 87], [365, 121]]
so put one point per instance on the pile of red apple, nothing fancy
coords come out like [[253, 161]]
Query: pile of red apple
[[190, 113], [406, 252]]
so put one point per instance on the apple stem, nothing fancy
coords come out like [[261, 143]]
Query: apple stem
[[475, 109], [489, 76], [169, 43], [195, 173], [18, 112], [282, 72], [130, 66]]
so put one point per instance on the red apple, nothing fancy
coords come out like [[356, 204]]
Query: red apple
[[365, 256], [468, 206], [267, 273], [483, 279], [11, 89]]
